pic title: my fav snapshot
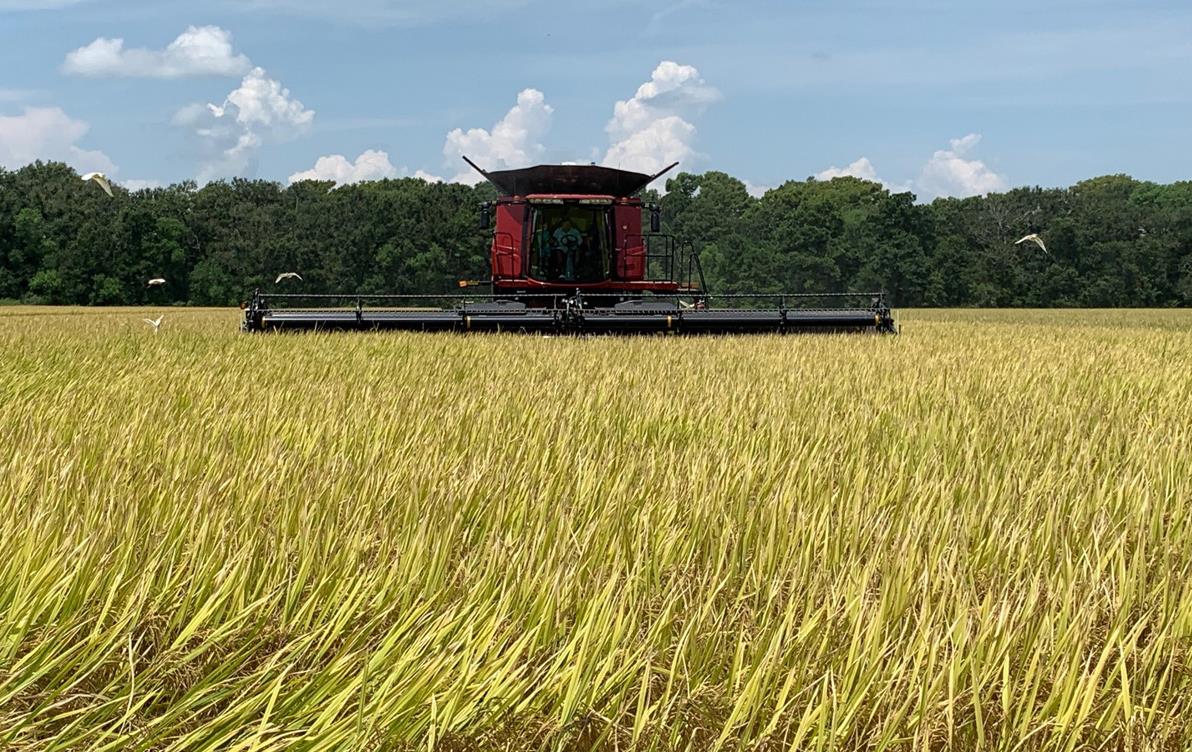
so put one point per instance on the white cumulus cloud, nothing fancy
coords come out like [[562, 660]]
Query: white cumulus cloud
[[650, 130], [48, 133], [198, 51], [862, 168], [514, 141], [372, 164], [949, 173], [658, 144], [672, 89], [230, 134]]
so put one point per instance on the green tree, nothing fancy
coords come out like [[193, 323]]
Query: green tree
[[1112, 240]]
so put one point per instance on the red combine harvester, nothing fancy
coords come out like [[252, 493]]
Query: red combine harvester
[[569, 255]]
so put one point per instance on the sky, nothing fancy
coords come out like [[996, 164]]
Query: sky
[[943, 98]]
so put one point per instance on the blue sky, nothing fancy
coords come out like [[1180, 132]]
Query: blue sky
[[945, 98]]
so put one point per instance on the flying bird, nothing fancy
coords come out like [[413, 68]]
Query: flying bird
[[156, 282], [99, 179], [1033, 238], [287, 275], [155, 323]]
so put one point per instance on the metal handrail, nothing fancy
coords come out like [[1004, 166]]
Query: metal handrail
[[510, 249], [687, 268]]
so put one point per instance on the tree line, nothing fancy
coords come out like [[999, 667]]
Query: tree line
[[1111, 241]]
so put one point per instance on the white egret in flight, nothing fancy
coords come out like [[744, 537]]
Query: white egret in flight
[[1033, 238], [99, 179]]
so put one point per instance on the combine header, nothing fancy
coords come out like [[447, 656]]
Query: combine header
[[569, 255]]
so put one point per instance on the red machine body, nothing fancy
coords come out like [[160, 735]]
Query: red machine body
[[562, 228], [611, 253]]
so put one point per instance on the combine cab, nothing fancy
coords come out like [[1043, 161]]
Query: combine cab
[[569, 254]]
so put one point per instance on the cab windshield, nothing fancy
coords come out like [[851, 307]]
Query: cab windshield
[[569, 243]]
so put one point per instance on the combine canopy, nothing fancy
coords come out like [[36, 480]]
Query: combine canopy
[[569, 180]]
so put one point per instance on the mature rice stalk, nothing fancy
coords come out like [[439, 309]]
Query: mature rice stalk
[[975, 535]]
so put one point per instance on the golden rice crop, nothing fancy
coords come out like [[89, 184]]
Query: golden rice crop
[[977, 535]]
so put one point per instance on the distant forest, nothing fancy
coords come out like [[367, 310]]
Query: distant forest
[[1113, 241]]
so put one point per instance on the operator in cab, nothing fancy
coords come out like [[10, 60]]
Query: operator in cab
[[568, 239]]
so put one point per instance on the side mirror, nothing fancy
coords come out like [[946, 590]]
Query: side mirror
[[485, 219], [655, 219]]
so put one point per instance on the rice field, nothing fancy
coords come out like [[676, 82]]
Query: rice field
[[977, 535]]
